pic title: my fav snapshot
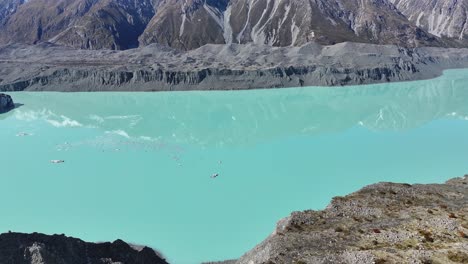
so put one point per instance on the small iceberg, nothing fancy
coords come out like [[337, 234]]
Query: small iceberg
[[57, 161], [23, 134]]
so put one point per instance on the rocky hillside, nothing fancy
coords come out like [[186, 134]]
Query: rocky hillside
[[382, 223], [287, 22], [17, 248], [87, 24], [217, 67], [447, 19], [189, 24]]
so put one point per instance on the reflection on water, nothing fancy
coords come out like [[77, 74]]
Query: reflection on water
[[246, 117]]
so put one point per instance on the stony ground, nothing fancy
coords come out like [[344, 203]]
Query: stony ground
[[47, 67], [382, 223]]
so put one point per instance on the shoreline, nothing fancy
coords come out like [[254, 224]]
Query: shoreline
[[443, 72], [220, 67]]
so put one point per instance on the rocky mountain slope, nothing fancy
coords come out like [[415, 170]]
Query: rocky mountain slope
[[189, 24], [382, 223], [87, 24], [286, 22], [155, 68], [17, 248], [446, 19], [186, 24]]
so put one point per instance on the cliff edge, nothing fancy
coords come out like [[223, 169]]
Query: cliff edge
[[382, 223], [48, 67]]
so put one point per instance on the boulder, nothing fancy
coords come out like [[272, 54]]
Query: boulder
[[6, 103]]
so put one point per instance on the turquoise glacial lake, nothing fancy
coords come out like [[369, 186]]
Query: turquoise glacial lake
[[138, 166]]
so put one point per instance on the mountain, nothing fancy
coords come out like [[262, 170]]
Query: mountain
[[7, 8], [442, 18], [86, 24], [6, 103], [18, 248], [189, 24], [288, 22]]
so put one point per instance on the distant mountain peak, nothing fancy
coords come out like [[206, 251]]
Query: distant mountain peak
[[189, 24]]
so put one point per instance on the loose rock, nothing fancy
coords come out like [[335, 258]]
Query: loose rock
[[6, 103]]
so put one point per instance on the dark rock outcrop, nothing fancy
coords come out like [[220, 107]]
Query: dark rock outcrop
[[6, 103], [382, 223], [17, 248]]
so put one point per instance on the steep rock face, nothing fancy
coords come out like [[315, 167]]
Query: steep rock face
[[90, 24], [382, 223], [17, 248], [187, 24], [233, 66], [442, 18], [287, 22], [7, 8]]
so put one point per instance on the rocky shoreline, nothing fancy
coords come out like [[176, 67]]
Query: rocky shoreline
[[47, 67], [381, 223]]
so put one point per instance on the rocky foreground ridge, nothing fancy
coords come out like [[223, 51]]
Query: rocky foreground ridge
[[17, 248], [48, 67], [382, 223]]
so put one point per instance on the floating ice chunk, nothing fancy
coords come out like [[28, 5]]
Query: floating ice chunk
[[119, 132], [65, 122], [23, 134]]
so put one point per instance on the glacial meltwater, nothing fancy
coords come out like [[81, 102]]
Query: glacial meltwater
[[140, 166]]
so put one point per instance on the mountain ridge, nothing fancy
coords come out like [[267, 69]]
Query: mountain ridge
[[190, 24]]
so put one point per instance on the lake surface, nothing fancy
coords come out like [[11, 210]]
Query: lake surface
[[138, 166]]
